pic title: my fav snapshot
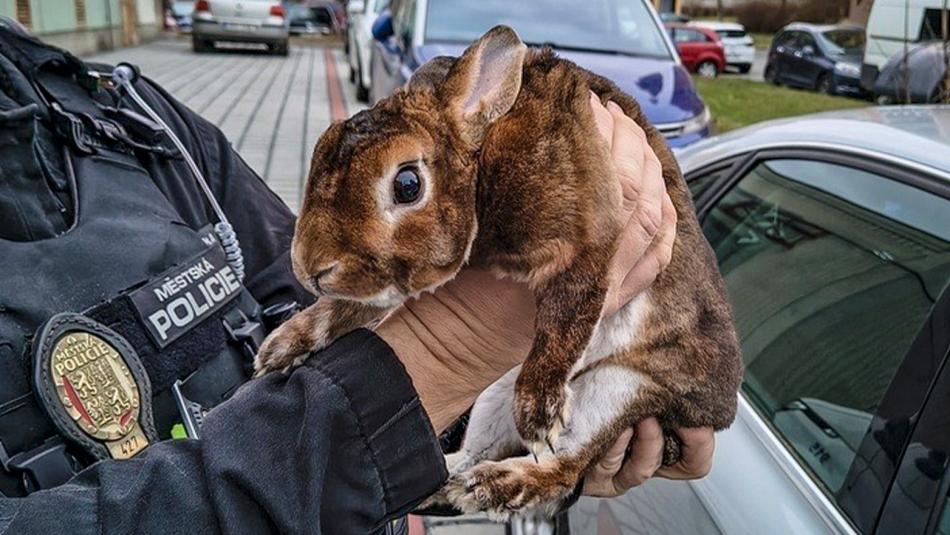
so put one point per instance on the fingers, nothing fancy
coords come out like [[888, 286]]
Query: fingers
[[646, 456], [599, 482], [629, 152], [655, 259], [698, 446], [603, 118]]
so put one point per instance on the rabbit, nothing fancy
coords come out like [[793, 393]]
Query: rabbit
[[494, 160]]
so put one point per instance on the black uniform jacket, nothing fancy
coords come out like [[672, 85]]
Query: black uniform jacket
[[341, 445]]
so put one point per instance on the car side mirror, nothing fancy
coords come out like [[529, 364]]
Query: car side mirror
[[808, 50], [383, 26]]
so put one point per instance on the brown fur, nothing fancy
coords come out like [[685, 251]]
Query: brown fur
[[518, 166]]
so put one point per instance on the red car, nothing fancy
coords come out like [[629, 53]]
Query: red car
[[700, 49]]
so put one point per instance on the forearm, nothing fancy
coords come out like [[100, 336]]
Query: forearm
[[338, 446], [450, 356]]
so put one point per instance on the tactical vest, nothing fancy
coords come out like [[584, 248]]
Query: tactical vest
[[126, 322]]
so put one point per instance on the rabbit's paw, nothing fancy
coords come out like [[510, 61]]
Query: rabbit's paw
[[541, 412], [285, 348], [504, 488]]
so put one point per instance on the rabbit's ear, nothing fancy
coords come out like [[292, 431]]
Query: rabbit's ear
[[432, 73], [484, 82]]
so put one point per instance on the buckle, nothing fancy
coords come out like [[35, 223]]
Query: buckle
[[245, 331], [72, 128], [43, 467], [192, 413]]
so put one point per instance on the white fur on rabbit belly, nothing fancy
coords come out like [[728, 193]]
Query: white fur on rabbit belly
[[491, 432]]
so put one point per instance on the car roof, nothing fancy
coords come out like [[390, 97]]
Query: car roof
[[916, 136], [717, 25], [818, 28]]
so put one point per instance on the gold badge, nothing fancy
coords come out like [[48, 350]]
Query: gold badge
[[98, 391], [93, 386]]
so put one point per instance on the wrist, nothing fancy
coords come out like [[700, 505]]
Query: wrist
[[446, 383]]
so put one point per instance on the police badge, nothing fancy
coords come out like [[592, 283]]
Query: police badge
[[93, 386]]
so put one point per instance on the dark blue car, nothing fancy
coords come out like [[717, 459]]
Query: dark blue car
[[620, 39], [824, 58]]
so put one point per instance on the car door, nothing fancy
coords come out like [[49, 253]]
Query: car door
[[690, 44], [837, 268], [783, 55], [389, 53], [807, 61]]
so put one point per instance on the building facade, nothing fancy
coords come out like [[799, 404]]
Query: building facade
[[87, 26]]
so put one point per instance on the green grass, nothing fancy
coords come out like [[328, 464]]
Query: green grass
[[762, 40], [735, 102]]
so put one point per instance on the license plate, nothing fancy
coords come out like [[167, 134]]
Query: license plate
[[240, 27]]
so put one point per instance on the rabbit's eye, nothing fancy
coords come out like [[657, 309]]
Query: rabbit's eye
[[407, 186]]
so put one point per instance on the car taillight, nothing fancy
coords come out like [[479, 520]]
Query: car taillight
[[202, 5], [277, 11]]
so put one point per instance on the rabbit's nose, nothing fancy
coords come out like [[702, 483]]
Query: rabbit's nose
[[315, 278]]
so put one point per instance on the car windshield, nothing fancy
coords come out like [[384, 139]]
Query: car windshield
[[613, 26], [838, 42]]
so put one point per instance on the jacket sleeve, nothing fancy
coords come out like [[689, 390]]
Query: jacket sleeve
[[341, 445]]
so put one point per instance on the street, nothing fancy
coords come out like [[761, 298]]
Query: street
[[272, 109]]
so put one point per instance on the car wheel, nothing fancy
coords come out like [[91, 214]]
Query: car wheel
[[280, 48], [771, 76], [707, 69], [200, 46], [744, 68], [362, 92], [824, 85]]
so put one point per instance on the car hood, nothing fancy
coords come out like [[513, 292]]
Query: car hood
[[663, 88]]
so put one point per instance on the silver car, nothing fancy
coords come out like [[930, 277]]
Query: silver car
[[832, 233], [245, 21]]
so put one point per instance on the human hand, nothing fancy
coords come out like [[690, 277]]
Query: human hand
[[460, 339], [619, 471]]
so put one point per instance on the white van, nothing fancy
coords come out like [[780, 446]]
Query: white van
[[894, 25]]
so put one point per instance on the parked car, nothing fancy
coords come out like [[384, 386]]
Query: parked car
[[835, 250], [246, 21], [740, 48], [622, 40], [917, 76], [313, 18], [893, 27], [824, 58], [700, 48], [360, 39], [179, 15]]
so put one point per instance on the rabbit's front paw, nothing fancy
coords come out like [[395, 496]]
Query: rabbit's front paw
[[504, 488], [541, 411], [287, 347]]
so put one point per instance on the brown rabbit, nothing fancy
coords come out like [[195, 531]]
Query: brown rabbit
[[494, 160]]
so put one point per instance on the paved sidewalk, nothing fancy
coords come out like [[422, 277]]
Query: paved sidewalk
[[272, 109]]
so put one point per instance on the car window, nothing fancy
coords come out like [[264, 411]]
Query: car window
[[943, 526], [787, 39], [931, 27], [831, 271], [699, 183], [731, 34], [805, 39], [592, 25]]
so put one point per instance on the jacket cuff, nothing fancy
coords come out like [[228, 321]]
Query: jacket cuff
[[399, 434]]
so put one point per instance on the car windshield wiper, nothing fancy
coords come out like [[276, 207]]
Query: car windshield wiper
[[574, 48]]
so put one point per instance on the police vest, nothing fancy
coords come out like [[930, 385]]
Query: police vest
[[124, 325]]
